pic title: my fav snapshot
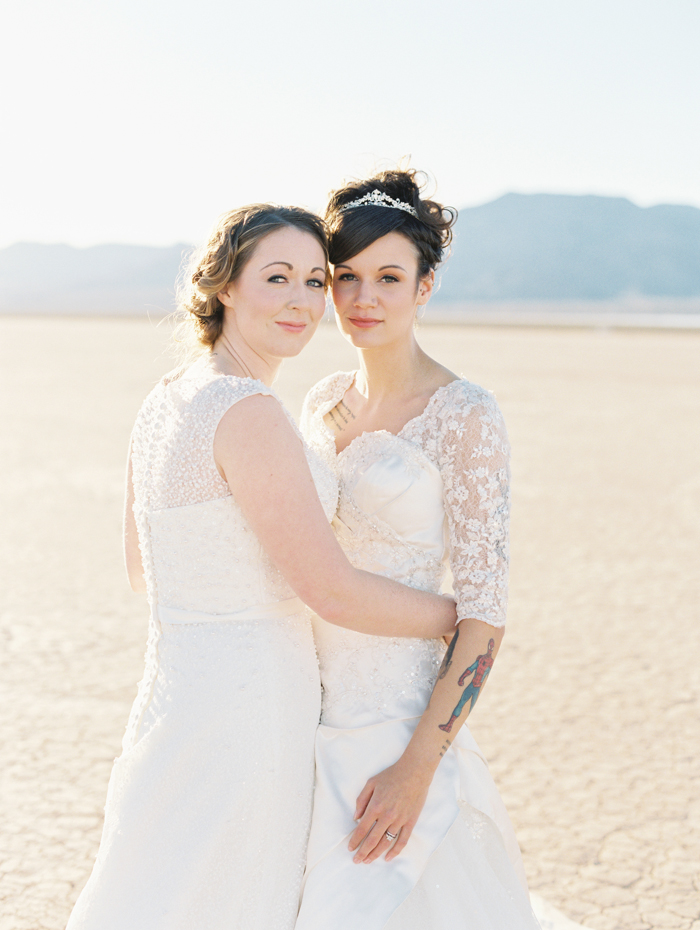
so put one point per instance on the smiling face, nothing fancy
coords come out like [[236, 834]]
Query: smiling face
[[377, 292], [273, 307]]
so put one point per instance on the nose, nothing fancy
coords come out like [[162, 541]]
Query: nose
[[299, 298], [365, 296]]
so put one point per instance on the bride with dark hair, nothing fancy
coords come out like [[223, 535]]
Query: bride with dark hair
[[422, 460]]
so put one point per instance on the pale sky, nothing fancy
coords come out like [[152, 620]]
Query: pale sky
[[141, 120]]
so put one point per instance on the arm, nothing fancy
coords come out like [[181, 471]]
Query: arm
[[263, 461], [474, 462], [132, 552], [394, 799]]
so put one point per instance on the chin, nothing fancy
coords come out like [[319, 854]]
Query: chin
[[292, 345], [365, 339]]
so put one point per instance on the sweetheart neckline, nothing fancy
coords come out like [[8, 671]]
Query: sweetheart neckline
[[352, 375]]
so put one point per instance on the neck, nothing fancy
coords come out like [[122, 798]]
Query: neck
[[393, 369], [234, 356]]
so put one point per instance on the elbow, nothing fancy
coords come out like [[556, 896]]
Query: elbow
[[333, 602], [137, 582], [329, 606]]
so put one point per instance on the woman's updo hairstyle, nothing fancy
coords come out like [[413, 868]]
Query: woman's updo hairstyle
[[352, 231], [223, 257]]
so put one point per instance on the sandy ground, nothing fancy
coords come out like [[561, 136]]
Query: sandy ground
[[592, 716]]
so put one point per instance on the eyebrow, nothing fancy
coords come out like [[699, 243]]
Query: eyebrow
[[291, 267], [383, 268]]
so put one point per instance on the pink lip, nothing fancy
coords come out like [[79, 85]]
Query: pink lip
[[363, 323], [292, 327]]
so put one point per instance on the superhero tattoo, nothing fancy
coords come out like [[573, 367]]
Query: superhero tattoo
[[481, 667]]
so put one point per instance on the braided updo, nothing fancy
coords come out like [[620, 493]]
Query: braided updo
[[221, 260], [352, 231]]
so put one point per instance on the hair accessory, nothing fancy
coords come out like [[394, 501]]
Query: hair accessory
[[379, 199]]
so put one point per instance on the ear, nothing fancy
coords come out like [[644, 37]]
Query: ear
[[425, 288], [226, 296]]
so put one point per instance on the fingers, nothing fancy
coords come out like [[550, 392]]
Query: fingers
[[375, 842], [403, 838], [360, 832], [383, 846]]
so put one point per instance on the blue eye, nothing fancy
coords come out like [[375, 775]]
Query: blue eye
[[346, 276], [275, 278], [314, 282]]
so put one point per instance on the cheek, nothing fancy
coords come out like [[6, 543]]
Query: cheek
[[340, 295], [318, 305], [402, 306]]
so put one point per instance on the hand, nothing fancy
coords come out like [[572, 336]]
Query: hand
[[390, 801]]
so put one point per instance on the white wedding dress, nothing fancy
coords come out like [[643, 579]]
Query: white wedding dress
[[209, 805], [409, 505]]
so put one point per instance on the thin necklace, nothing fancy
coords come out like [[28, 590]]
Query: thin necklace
[[235, 357]]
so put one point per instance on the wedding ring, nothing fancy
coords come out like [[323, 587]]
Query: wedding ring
[[391, 836]]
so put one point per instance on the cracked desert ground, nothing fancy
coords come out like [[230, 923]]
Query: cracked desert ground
[[591, 720]]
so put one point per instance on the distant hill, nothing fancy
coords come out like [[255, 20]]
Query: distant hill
[[559, 247], [521, 247], [101, 279]]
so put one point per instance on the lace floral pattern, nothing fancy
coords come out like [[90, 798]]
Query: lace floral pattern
[[360, 675], [197, 549], [435, 493], [462, 432]]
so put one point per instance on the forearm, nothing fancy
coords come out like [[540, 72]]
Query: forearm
[[372, 604], [452, 702]]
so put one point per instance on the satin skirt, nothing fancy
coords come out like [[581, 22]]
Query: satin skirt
[[208, 808], [461, 869]]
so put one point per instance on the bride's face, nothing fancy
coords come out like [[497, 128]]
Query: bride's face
[[278, 300], [377, 292]]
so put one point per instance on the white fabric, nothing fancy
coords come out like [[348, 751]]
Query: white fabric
[[437, 492], [460, 433], [208, 807]]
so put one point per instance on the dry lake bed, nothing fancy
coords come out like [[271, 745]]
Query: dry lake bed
[[591, 720]]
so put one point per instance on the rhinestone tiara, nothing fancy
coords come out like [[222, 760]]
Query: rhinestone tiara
[[379, 199]]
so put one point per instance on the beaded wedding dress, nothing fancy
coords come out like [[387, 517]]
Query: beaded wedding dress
[[209, 805], [409, 505]]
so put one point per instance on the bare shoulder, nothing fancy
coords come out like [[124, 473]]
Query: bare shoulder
[[254, 415]]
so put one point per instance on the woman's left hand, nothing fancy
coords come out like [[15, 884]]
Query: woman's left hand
[[391, 801]]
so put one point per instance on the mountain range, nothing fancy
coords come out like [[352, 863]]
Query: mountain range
[[558, 247], [520, 247]]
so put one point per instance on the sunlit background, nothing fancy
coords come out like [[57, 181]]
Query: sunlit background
[[136, 123], [139, 121]]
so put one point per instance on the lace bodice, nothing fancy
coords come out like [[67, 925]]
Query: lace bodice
[[436, 494], [198, 550]]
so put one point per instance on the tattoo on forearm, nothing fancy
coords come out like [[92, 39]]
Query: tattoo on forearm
[[447, 660], [481, 667], [445, 746]]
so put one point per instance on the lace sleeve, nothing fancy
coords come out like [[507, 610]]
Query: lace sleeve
[[474, 461], [322, 396], [308, 410]]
